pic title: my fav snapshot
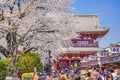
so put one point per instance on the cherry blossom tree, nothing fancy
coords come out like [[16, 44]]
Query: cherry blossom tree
[[36, 25]]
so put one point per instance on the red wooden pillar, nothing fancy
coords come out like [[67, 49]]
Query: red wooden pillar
[[69, 64], [56, 65]]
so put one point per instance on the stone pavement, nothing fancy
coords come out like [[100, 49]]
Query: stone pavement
[[55, 79]]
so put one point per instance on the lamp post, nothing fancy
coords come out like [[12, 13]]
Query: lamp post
[[49, 65]]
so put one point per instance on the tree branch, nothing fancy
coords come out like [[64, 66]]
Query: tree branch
[[29, 49], [4, 51], [46, 31]]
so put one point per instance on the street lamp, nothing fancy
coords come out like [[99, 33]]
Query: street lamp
[[49, 65]]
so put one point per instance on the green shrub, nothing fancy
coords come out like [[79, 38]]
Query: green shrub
[[3, 70], [27, 62]]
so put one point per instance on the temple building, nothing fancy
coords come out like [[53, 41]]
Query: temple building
[[86, 45]]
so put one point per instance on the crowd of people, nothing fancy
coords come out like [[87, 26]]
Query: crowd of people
[[64, 75], [88, 74], [99, 74]]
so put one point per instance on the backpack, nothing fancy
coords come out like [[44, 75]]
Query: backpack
[[105, 74], [99, 78]]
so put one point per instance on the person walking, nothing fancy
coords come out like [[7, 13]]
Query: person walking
[[114, 74], [63, 76], [48, 77], [118, 74], [105, 74], [35, 77]]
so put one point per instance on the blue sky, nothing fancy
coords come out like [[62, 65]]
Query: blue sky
[[109, 16]]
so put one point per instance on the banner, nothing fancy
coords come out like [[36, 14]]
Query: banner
[[115, 49]]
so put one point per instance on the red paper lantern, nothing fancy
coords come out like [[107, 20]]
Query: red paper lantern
[[106, 66], [115, 66]]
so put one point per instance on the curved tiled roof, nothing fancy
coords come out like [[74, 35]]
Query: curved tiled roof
[[89, 23]]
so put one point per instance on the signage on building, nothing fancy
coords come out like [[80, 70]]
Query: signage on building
[[104, 54], [111, 59], [115, 49], [82, 42], [93, 57], [85, 42]]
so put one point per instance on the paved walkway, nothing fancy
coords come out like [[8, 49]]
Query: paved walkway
[[55, 79]]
